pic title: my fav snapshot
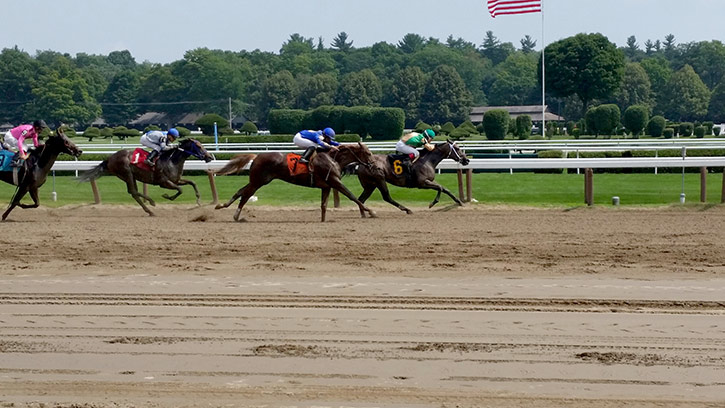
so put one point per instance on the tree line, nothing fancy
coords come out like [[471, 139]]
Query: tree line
[[431, 80]]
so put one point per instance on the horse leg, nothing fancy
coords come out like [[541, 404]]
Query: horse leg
[[19, 194], [133, 190], [435, 186], [336, 183], [323, 202], [183, 182], [171, 186], [34, 196], [383, 187]]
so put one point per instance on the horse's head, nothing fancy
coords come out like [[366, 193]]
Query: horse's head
[[62, 144], [194, 148], [364, 156], [456, 153]]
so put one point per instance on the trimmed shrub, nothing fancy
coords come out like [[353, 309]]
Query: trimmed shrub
[[386, 123], [522, 129], [206, 123], [669, 133], [716, 130], [421, 126], [150, 128], [287, 121], [226, 131], [656, 126], [448, 128], [495, 123], [249, 128], [699, 132], [685, 129], [183, 132], [106, 132], [708, 127], [123, 133], [602, 119], [636, 118], [357, 120], [91, 132]]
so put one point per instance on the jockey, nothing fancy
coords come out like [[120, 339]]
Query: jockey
[[158, 141], [310, 140], [410, 143], [15, 138]]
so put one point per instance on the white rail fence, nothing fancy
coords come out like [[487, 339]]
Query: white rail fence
[[489, 164]]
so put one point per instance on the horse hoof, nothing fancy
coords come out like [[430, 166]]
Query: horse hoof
[[407, 211], [372, 214]]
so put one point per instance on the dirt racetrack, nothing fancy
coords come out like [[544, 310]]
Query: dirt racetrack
[[102, 306]]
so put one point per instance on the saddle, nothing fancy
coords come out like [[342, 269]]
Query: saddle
[[295, 166], [138, 159]]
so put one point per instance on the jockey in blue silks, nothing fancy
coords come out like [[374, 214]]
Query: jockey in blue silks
[[310, 140]]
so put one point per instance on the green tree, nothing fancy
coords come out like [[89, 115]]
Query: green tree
[[685, 96], [280, 91], [445, 97], [118, 100], [317, 90], [411, 43], [61, 95], [716, 108], [495, 50], [297, 44], [707, 58], [17, 71], [516, 81], [635, 88], [659, 72], [636, 118], [586, 65], [528, 45], [206, 123], [602, 119], [340, 42], [406, 91], [360, 89], [249, 128]]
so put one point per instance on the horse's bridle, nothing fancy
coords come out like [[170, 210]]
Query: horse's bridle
[[357, 159], [451, 151]]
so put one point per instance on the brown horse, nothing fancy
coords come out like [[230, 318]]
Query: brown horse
[[35, 170], [165, 174], [326, 173], [422, 174]]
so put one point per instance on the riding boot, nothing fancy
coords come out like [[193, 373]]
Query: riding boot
[[150, 158], [307, 154], [16, 161]]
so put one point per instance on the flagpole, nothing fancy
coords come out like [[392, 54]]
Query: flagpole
[[543, 76]]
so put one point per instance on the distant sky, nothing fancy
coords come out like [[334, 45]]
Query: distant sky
[[161, 31]]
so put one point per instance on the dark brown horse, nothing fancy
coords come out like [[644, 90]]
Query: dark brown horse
[[326, 173], [165, 174], [422, 174], [35, 170]]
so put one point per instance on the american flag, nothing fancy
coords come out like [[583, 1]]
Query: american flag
[[499, 7]]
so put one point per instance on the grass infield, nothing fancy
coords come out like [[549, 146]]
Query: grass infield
[[525, 189]]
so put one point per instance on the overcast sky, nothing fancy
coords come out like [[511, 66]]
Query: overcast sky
[[162, 30]]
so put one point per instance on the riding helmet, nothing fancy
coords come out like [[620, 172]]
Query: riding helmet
[[329, 133], [40, 124], [429, 133], [173, 132]]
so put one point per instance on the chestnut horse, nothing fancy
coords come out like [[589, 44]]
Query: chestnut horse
[[35, 170], [325, 174]]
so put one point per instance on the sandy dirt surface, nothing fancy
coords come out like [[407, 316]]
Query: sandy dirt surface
[[103, 306]]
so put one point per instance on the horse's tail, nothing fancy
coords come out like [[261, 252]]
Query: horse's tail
[[94, 173], [235, 165]]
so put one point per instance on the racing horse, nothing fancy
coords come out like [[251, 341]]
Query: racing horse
[[126, 165], [422, 174], [33, 173], [326, 169]]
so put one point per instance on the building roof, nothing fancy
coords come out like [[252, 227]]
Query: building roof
[[534, 111]]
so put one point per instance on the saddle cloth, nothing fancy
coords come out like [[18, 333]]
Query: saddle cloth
[[6, 157], [138, 159], [294, 165]]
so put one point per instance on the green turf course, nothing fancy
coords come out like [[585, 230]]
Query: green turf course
[[526, 189]]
